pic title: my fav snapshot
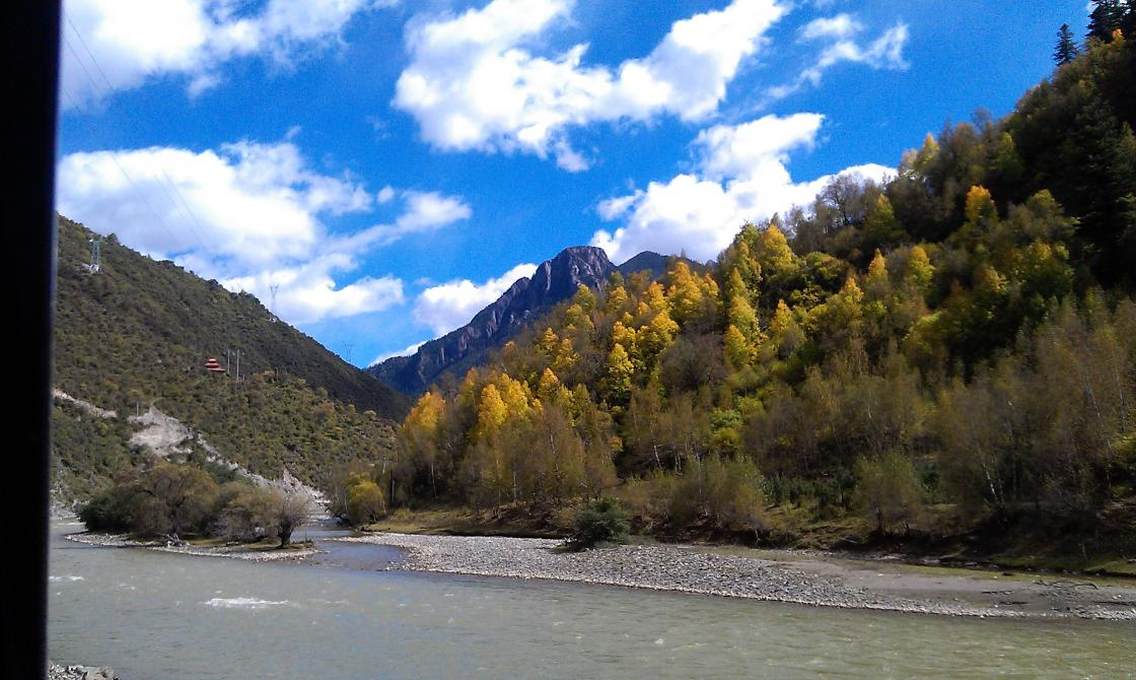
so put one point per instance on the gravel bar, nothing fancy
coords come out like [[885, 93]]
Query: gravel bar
[[673, 568]]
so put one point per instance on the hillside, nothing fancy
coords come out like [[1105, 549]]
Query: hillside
[[138, 313], [136, 334], [947, 359], [527, 299]]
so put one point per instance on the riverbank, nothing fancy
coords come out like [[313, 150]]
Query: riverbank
[[258, 552], [1029, 547], [808, 579]]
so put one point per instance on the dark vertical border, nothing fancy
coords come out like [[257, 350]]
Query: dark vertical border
[[31, 47]]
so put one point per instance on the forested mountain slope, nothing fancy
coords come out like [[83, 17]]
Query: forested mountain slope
[[137, 334], [949, 351]]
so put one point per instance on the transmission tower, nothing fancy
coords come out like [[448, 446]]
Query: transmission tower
[[272, 288]]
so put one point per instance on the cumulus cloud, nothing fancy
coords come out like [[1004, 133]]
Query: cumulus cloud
[[245, 202], [113, 45], [474, 84], [250, 215], [447, 306], [741, 175], [840, 26]]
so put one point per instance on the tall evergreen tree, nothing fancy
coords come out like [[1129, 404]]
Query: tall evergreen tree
[[1066, 50]]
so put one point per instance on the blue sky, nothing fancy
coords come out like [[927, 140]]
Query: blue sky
[[389, 167]]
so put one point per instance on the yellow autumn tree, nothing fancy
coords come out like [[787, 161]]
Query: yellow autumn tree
[[919, 272], [684, 292], [655, 337], [618, 375], [877, 285], [785, 334], [738, 348], [551, 390], [617, 299], [420, 434], [980, 208], [491, 412], [773, 253]]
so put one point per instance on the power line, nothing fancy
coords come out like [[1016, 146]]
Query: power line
[[108, 91], [113, 154], [129, 180]]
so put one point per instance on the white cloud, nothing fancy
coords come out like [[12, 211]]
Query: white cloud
[[308, 292], [735, 150], [113, 45], [248, 203], [250, 215], [404, 352], [741, 176], [840, 26], [424, 211], [447, 306], [474, 84], [885, 52]]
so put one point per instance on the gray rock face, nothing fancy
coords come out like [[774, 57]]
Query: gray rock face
[[553, 281]]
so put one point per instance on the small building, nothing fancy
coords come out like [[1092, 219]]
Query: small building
[[214, 366]]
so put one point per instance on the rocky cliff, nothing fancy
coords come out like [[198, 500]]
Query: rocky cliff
[[553, 281]]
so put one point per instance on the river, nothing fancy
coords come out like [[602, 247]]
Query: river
[[153, 615]]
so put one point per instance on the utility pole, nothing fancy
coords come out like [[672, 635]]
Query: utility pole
[[347, 351], [96, 255], [238, 365]]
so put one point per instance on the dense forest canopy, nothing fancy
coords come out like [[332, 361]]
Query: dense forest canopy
[[959, 340]]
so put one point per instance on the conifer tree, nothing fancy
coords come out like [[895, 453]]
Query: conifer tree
[[1066, 50]]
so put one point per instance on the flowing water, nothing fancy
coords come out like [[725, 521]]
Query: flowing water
[[153, 615]]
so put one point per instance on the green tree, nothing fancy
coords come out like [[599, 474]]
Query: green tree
[[1066, 50]]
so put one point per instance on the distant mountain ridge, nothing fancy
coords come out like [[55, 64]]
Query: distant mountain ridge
[[554, 281]]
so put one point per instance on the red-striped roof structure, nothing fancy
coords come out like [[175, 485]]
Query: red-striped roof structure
[[214, 366]]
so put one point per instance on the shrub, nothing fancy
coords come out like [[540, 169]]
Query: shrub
[[601, 521]]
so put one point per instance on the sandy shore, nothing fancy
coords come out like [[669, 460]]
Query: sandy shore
[[809, 580], [233, 552]]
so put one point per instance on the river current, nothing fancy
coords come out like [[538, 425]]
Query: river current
[[153, 615]]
